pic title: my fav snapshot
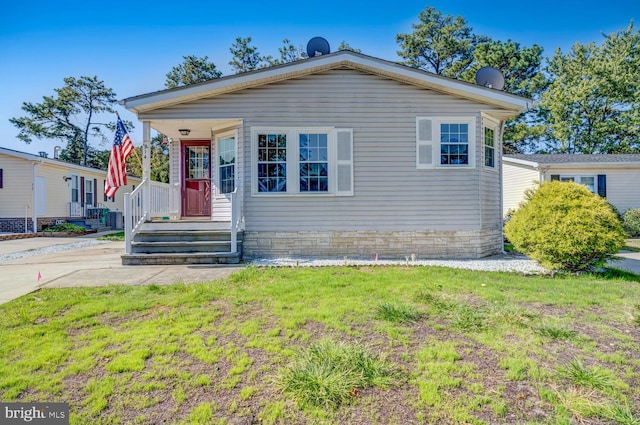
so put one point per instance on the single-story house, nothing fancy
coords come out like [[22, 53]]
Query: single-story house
[[337, 155], [37, 191], [612, 176]]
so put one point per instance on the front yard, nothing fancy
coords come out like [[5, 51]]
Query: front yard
[[392, 345]]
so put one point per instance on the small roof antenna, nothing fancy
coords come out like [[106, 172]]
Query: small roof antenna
[[488, 76], [318, 46]]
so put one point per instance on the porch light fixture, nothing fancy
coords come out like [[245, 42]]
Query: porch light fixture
[[184, 131], [66, 178]]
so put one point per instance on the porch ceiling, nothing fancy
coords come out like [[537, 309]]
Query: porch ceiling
[[199, 129]]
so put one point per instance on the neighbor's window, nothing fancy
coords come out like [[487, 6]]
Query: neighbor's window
[[227, 165], [454, 144], [272, 162], [489, 147], [588, 181], [314, 163]]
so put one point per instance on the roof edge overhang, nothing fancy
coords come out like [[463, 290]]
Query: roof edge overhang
[[343, 59], [569, 165], [54, 162]]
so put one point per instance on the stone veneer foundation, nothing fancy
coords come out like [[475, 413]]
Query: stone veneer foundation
[[16, 225], [387, 244]]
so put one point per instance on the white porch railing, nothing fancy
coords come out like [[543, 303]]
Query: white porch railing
[[163, 202], [235, 221], [165, 199]]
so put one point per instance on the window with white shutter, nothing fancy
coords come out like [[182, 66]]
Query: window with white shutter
[[309, 161], [445, 142], [425, 145]]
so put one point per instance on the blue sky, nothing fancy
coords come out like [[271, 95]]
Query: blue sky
[[132, 45]]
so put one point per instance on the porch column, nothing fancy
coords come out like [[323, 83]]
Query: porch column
[[146, 167]]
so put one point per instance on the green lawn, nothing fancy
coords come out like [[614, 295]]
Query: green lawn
[[367, 345]]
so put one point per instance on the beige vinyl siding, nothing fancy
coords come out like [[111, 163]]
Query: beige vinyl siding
[[389, 192], [58, 191], [16, 193], [516, 179], [623, 190]]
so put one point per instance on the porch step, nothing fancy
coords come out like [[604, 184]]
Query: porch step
[[166, 235], [184, 242], [89, 224], [182, 246], [180, 258]]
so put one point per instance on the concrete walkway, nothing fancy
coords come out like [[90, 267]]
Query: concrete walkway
[[95, 265], [628, 260]]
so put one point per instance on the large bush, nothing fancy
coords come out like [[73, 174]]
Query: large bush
[[565, 227], [631, 222]]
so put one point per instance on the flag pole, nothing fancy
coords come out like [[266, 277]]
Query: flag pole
[[134, 150]]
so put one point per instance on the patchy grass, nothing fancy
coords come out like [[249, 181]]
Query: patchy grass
[[116, 237], [333, 345]]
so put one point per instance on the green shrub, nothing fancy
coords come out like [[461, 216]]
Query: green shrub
[[65, 227], [631, 222], [564, 226]]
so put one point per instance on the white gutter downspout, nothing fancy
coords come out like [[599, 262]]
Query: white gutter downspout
[[34, 217]]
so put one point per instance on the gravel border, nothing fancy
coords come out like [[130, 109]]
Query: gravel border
[[50, 249], [499, 263]]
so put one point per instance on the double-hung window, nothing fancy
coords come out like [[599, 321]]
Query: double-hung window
[[227, 166], [314, 162], [588, 181], [445, 142], [272, 162], [297, 161]]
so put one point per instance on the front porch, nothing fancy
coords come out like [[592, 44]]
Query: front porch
[[194, 219], [156, 234]]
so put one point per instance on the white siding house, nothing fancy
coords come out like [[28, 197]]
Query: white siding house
[[35, 189], [340, 155], [612, 176]]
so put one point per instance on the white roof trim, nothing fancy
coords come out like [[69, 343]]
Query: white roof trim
[[520, 161], [150, 101], [55, 162]]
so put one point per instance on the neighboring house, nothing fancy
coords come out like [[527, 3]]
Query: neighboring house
[[338, 155], [614, 176], [36, 191]]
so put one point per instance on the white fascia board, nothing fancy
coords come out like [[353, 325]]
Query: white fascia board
[[303, 67], [53, 162], [520, 162], [592, 165]]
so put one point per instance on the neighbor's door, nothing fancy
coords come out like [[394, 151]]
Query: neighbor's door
[[196, 179]]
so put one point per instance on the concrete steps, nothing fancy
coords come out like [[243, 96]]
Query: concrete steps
[[183, 242]]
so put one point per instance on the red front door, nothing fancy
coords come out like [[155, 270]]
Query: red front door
[[196, 179]]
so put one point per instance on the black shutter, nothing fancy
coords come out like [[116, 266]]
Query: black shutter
[[0, 178], [82, 191], [103, 192], [555, 177], [602, 185]]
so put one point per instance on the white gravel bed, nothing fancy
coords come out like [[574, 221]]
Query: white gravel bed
[[500, 263], [50, 249]]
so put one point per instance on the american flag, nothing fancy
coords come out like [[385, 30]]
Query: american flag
[[116, 173]]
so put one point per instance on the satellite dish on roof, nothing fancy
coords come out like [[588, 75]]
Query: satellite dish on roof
[[318, 46], [488, 76]]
